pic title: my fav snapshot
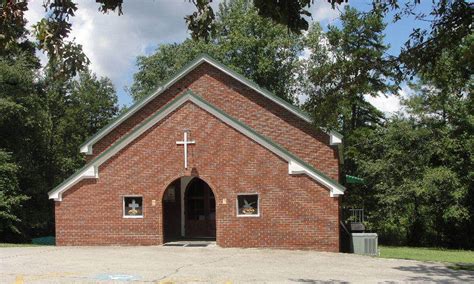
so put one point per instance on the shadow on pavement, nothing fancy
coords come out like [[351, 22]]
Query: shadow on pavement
[[441, 272]]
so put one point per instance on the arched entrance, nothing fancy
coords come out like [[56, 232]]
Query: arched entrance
[[189, 210]]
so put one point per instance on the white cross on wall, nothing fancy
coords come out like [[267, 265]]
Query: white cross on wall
[[185, 142], [133, 205]]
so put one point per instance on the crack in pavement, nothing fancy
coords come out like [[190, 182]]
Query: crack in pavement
[[27, 254], [176, 271]]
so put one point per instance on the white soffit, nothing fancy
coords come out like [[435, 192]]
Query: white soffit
[[89, 171]]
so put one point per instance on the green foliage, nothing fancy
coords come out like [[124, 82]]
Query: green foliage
[[78, 108], [346, 64], [23, 126], [419, 168], [12, 26], [201, 22], [244, 41], [43, 122], [419, 173], [418, 165], [292, 14], [10, 197], [93, 102], [16, 82], [450, 25]]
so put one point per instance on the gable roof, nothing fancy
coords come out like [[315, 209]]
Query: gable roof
[[87, 146], [295, 165]]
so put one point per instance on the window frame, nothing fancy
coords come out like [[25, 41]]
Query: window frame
[[258, 205], [133, 216]]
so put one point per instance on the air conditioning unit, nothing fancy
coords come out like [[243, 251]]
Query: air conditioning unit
[[364, 243]]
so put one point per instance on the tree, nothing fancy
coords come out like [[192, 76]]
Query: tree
[[345, 65], [451, 24], [451, 21], [44, 120], [289, 13], [10, 197], [419, 180], [93, 103], [67, 57], [244, 41], [22, 124], [419, 168], [78, 109], [417, 165]]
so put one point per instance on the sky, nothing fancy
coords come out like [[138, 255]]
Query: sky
[[114, 42]]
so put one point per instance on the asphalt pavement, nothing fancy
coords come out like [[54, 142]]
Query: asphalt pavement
[[210, 264]]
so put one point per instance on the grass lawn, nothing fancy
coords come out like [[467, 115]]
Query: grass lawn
[[10, 245], [458, 259]]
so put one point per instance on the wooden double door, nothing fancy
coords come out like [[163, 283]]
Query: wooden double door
[[200, 210]]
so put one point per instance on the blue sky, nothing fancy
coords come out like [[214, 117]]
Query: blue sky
[[113, 42], [397, 33]]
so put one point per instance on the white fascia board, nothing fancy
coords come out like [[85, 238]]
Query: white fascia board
[[258, 90], [88, 149], [173, 107], [89, 172], [334, 138], [92, 170], [142, 129], [294, 168]]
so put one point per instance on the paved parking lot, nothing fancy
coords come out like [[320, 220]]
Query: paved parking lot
[[212, 264]]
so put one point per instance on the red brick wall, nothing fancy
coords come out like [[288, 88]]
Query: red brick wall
[[296, 211], [248, 106]]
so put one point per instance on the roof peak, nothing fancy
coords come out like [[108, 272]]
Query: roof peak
[[87, 146]]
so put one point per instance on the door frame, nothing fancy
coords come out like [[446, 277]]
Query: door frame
[[207, 212]]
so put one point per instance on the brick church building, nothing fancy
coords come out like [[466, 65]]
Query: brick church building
[[208, 155]]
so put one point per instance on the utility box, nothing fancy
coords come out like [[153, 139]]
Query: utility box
[[364, 243]]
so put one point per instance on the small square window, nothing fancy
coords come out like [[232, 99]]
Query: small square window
[[248, 205], [133, 207]]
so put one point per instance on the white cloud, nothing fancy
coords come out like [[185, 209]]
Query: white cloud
[[322, 11], [35, 12], [113, 42], [390, 104]]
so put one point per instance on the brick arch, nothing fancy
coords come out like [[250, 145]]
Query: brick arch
[[178, 209], [207, 179]]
